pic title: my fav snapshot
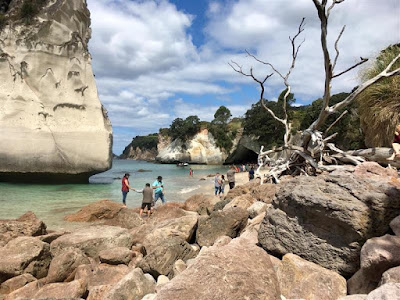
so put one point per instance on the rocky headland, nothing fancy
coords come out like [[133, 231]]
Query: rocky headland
[[199, 149], [52, 124], [333, 236]]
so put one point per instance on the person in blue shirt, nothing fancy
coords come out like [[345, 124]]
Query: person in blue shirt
[[159, 190]]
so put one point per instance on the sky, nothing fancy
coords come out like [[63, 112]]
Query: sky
[[157, 60]]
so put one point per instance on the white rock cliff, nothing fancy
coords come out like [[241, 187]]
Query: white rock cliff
[[201, 149], [52, 124]]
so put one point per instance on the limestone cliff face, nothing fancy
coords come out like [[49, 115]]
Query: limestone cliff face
[[139, 153], [201, 149], [52, 124]]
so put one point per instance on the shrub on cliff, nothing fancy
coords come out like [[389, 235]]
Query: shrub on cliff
[[184, 129]]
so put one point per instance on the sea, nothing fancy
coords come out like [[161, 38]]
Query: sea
[[51, 203]]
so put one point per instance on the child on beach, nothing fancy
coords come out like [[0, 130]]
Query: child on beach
[[396, 143], [222, 187], [217, 183], [147, 199]]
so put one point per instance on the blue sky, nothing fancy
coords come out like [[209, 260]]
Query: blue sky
[[156, 60]]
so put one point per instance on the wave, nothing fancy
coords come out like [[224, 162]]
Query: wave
[[189, 189]]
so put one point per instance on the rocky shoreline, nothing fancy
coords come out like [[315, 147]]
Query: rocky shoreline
[[333, 236]]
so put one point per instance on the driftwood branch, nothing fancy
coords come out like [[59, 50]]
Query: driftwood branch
[[336, 47], [335, 122], [363, 60]]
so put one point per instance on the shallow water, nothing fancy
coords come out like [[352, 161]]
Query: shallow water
[[52, 202]]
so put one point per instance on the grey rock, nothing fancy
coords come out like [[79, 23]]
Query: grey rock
[[225, 272], [26, 225], [299, 278], [15, 283], [257, 208], [73, 289], [91, 240], [64, 265], [388, 291], [326, 219], [164, 254], [227, 222], [179, 267], [377, 255], [391, 276], [133, 286], [115, 256], [24, 255], [395, 225]]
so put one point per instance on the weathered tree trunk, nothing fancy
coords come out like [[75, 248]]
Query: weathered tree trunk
[[378, 155]]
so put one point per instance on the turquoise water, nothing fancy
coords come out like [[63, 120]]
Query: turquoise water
[[52, 202]]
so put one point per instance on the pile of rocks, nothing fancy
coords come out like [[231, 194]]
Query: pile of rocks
[[210, 249]]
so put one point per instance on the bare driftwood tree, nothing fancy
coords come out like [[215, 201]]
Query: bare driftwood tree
[[315, 152]]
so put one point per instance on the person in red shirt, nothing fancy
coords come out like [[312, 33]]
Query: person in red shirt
[[396, 143], [125, 187]]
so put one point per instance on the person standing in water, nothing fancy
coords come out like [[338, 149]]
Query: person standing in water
[[147, 200], [191, 172], [159, 190], [125, 187]]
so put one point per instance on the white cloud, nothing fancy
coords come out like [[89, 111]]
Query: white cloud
[[143, 55]]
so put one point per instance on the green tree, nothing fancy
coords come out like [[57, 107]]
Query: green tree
[[260, 123], [219, 129], [222, 115], [184, 129], [349, 134]]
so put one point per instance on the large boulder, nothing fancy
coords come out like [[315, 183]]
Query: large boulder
[[227, 222], [26, 225], [52, 124], [257, 208], [164, 253], [24, 255], [243, 201], [16, 283], [133, 286], [299, 278], [64, 265], [27, 291], [238, 270], [391, 276], [265, 192], [96, 211], [238, 191], [103, 274], [152, 232], [203, 204], [65, 290], [387, 291], [395, 225], [326, 219], [116, 256], [125, 218], [93, 239], [377, 256]]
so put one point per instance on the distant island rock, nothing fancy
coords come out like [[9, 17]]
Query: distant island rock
[[52, 124]]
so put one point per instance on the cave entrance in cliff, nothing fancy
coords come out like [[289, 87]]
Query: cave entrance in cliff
[[242, 155]]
